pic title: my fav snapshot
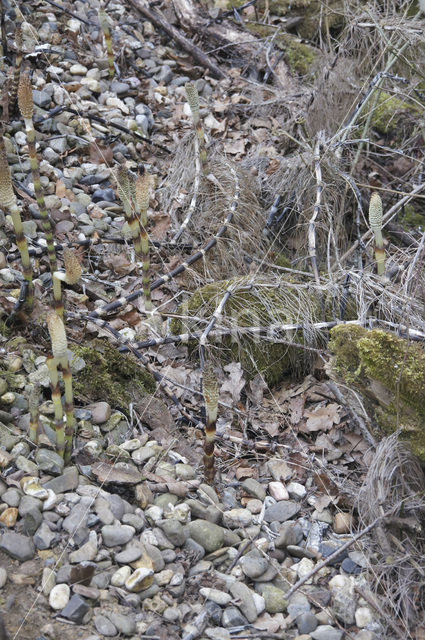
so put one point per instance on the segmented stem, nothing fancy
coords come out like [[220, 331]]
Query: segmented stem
[[26, 108], [69, 405], [375, 221], [210, 392], [33, 401], [52, 365], [193, 100], [143, 187], [17, 68], [103, 20], [71, 276], [8, 201]]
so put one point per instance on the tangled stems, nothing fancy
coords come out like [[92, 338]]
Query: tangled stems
[[210, 392]]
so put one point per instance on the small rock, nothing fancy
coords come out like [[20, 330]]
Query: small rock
[[306, 622], [17, 546], [350, 567], [64, 483], [3, 577], [105, 626], [247, 605], [343, 598], [343, 522], [44, 537], [290, 533], [298, 605], [274, 599], [253, 566], [278, 491], [219, 597], [49, 461], [120, 576], [59, 596], [363, 617], [78, 69], [125, 624], [100, 412], [254, 488], [232, 617], [209, 535], [76, 609], [9, 517], [303, 568], [87, 552], [326, 632], [237, 518], [322, 516], [281, 511], [141, 579], [296, 490], [31, 487], [116, 535], [48, 580], [174, 531]]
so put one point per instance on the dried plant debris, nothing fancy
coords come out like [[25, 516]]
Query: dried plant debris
[[204, 454]]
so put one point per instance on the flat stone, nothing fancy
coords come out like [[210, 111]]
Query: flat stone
[[120, 576], [278, 491], [247, 605], [59, 596], [296, 490], [82, 573], [104, 626], [326, 632], [17, 546], [32, 521], [306, 622], [139, 580], [44, 537], [363, 616], [343, 522], [116, 535], [327, 549], [68, 481], [87, 552], [209, 535], [125, 624], [49, 461], [281, 511], [76, 609], [3, 577], [253, 566], [174, 531], [237, 518], [350, 567], [100, 412], [9, 516], [254, 488], [232, 617], [298, 605], [12, 497], [131, 554], [274, 599]]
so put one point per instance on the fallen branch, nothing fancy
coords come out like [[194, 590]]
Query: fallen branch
[[160, 22]]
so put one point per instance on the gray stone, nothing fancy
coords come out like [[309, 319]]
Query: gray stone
[[115, 535], [232, 617], [49, 461], [253, 566], [155, 555], [301, 552], [17, 546], [174, 531], [134, 521], [59, 145], [3, 577], [298, 604], [117, 505], [326, 632], [41, 98], [237, 518], [128, 555], [12, 497], [87, 552], [76, 609], [102, 508], [119, 87], [63, 574], [100, 412], [105, 626], [209, 535], [254, 488], [195, 549], [240, 591], [306, 623], [44, 537], [281, 511], [64, 483], [77, 518], [274, 599], [126, 624], [197, 509], [290, 533]]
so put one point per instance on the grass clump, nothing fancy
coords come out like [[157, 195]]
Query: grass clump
[[109, 375]]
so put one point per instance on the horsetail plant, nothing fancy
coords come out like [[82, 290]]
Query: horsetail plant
[[71, 275], [60, 359], [142, 192], [193, 100], [210, 393], [33, 405], [26, 107], [103, 20], [375, 221], [17, 68], [8, 201]]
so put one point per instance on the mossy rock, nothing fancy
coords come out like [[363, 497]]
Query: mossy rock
[[259, 304], [391, 114], [110, 376], [315, 15], [301, 58], [391, 372], [411, 219]]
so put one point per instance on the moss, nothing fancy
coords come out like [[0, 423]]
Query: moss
[[259, 305], [410, 219], [391, 373], [299, 57], [110, 375], [391, 112], [280, 260]]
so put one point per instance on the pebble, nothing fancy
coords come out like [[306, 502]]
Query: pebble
[[350, 567], [76, 609], [278, 491], [139, 580], [44, 537], [237, 518], [281, 511], [116, 535], [87, 552], [290, 533], [326, 632], [120, 576], [306, 623], [124, 624], [105, 626], [343, 522], [17, 546], [343, 598], [100, 412], [232, 617], [209, 535], [253, 488], [363, 617], [49, 461], [59, 596], [274, 599], [253, 567], [247, 605], [298, 605], [3, 577], [9, 517], [296, 490]]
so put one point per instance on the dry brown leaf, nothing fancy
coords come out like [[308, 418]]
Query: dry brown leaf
[[296, 408], [322, 418], [235, 382], [235, 147], [244, 472], [161, 224], [99, 153], [272, 428], [269, 623], [119, 264], [60, 189]]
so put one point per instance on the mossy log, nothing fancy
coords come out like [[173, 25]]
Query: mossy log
[[390, 372]]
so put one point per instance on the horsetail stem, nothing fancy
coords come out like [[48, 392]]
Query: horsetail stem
[[17, 68], [193, 100], [142, 189], [210, 392], [103, 20], [33, 400], [60, 358], [26, 108], [71, 276], [8, 201], [375, 221]]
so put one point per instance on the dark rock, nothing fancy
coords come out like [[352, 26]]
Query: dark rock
[[103, 194], [76, 609], [82, 573], [327, 549], [281, 511], [232, 617], [32, 520], [350, 567], [306, 623]]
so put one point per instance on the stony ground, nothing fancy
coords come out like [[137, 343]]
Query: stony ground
[[127, 539]]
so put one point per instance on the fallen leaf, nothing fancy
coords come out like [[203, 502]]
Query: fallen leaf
[[235, 382], [214, 125], [235, 147], [272, 428], [296, 408], [244, 472], [99, 153], [322, 418], [60, 189], [118, 263]]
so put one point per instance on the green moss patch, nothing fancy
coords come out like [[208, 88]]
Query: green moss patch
[[391, 372], [391, 113], [109, 375]]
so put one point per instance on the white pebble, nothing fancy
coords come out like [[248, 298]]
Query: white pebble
[[296, 490], [59, 596], [3, 577], [120, 576], [363, 616], [215, 595], [278, 491]]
